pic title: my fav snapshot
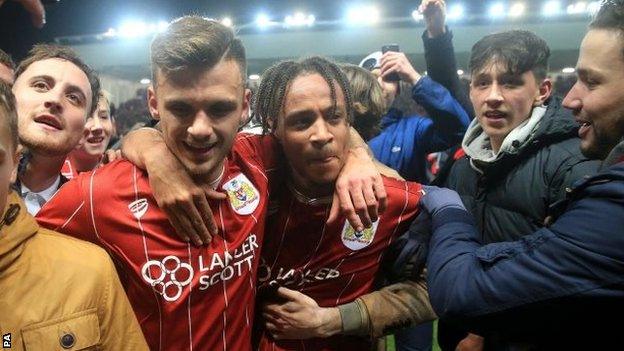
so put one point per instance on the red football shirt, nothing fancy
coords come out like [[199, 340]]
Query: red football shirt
[[184, 297], [330, 263]]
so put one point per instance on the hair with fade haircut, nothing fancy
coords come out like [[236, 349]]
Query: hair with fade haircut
[[610, 17], [194, 42], [519, 50], [41, 52], [5, 59], [8, 112], [368, 100], [269, 100]]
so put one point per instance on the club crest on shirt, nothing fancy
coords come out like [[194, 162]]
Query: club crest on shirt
[[243, 196], [358, 240]]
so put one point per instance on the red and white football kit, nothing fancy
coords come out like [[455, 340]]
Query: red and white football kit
[[333, 264], [184, 297]]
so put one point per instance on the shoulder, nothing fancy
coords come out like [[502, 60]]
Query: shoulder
[[77, 258], [396, 188]]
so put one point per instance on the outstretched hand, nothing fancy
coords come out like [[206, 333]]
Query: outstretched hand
[[360, 194], [298, 316]]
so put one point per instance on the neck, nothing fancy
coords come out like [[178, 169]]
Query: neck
[[310, 189], [84, 162], [496, 144], [41, 172], [213, 177]]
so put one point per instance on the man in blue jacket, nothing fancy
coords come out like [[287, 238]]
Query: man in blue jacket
[[406, 140], [564, 284]]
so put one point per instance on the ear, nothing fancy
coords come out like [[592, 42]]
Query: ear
[[152, 102], [545, 89], [246, 111], [16, 158]]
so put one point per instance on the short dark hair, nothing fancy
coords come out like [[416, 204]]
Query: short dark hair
[[269, 100], [194, 42], [611, 17], [8, 112], [519, 50], [41, 52], [5, 59]]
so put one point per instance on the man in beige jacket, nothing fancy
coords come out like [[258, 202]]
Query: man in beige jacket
[[56, 292]]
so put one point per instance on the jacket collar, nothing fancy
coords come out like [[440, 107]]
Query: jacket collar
[[615, 156], [15, 234], [478, 147]]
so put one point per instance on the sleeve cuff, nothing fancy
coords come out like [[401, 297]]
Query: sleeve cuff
[[354, 318]]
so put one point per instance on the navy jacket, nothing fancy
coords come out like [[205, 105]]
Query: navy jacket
[[404, 142], [561, 285]]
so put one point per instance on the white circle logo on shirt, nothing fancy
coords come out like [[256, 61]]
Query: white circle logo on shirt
[[168, 277]]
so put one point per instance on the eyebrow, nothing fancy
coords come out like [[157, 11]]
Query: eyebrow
[[72, 87]]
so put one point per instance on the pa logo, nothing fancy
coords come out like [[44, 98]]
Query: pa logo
[[6, 341], [168, 277]]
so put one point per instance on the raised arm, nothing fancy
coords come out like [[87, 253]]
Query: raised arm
[[440, 54]]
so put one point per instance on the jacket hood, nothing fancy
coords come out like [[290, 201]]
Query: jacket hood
[[16, 233], [547, 124]]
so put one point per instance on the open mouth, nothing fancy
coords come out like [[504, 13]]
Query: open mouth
[[495, 114], [49, 121], [200, 149], [585, 127], [95, 140]]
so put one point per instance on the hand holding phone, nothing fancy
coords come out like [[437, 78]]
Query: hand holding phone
[[392, 77]]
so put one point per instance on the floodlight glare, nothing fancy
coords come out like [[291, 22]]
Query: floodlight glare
[[516, 10], [299, 20], [568, 70], [254, 77], [364, 15], [417, 16], [455, 12], [226, 21], [263, 21], [145, 81], [551, 8], [132, 29], [497, 10], [460, 72], [111, 32], [577, 8]]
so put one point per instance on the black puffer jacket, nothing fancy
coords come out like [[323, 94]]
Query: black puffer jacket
[[510, 196]]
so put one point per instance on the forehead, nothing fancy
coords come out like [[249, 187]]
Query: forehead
[[62, 71], [224, 79], [310, 89], [602, 50]]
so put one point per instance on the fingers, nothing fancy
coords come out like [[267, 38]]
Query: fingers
[[371, 201], [359, 203], [188, 216], [380, 193], [347, 208], [206, 218], [197, 218], [288, 293], [177, 225]]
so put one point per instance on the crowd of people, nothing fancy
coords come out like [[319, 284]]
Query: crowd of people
[[303, 214]]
